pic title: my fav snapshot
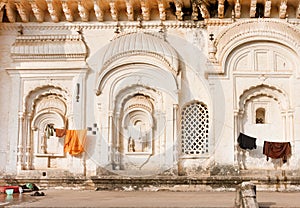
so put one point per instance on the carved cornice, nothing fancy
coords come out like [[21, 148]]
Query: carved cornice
[[107, 10], [104, 26], [45, 47]]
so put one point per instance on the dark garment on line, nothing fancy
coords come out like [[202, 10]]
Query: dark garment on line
[[246, 142], [277, 150]]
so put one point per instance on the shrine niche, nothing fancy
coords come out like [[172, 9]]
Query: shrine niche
[[50, 114], [45, 111], [137, 125], [136, 107]]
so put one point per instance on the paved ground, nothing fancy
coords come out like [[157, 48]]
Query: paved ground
[[76, 198]]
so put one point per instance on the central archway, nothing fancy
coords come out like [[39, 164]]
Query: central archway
[[138, 105]]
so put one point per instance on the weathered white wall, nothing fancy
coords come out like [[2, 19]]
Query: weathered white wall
[[220, 92]]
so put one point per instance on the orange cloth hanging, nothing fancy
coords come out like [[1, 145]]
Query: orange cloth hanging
[[60, 132], [75, 141]]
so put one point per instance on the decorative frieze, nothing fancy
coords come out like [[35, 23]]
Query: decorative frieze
[[39, 47], [91, 10]]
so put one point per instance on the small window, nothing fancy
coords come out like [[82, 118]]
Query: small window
[[260, 116]]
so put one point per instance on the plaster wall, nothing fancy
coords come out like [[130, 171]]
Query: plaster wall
[[221, 94]]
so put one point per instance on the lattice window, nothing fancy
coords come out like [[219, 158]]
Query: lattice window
[[194, 129]]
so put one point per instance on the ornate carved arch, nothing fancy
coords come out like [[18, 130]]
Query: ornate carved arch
[[264, 90], [37, 93]]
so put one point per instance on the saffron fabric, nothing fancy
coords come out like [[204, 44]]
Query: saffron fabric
[[75, 141], [277, 150], [246, 142], [60, 132]]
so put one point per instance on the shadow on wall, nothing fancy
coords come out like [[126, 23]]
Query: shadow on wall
[[256, 154]]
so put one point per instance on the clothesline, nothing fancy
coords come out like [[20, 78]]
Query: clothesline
[[275, 150], [74, 140]]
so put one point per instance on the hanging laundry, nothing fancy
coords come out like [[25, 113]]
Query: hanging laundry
[[49, 131], [60, 132], [246, 142], [75, 141], [277, 150]]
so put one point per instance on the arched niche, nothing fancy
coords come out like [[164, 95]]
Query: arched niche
[[143, 68], [46, 142], [45, 108], [271, 106], [137, 124]]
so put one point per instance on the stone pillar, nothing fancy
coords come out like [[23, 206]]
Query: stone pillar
[[110, 135], [284, 123], [291, 125], [175, 135], [28, 142], [20, 142], [117, 145], [235, 135], [246, 196]]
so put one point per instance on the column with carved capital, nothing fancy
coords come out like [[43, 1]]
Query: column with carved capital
[[110, 137], [117, 155], [291, 129], [20, 142], [175, 132], [235, 135], [284, 125], [28, 142]]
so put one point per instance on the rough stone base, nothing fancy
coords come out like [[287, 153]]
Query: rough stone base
[[264, 180]]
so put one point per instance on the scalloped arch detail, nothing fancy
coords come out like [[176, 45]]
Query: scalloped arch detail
[[41, 91], [264, 90]]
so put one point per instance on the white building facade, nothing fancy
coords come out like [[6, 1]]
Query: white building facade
[[162, 87]]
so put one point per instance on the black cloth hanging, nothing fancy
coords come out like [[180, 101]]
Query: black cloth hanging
[[246, 142]]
